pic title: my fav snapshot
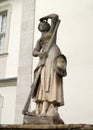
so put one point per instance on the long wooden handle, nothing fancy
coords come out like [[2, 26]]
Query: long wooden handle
[[53, 36], [26, 107]]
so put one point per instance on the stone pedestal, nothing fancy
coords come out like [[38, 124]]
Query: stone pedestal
[[48, 127], [42, 120]]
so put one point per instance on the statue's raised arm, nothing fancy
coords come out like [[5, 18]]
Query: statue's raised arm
[[54, 19]]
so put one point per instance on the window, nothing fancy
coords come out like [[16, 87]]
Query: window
[[5, 13], [3, 17]]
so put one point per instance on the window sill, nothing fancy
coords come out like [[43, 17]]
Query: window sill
[[3, 54]]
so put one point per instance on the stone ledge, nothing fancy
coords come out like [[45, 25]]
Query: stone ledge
[[7, 82], [48, 127]]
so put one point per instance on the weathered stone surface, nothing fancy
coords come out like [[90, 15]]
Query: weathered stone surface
[[25, 57], [48, 127], [42, 120]]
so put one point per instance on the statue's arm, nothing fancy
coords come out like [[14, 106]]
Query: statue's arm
[[36, 50], [54, 19]]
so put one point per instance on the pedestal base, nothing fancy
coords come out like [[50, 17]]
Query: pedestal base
[[41, 120]]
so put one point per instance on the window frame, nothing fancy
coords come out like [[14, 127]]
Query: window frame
[[3, 29], [8, 9]]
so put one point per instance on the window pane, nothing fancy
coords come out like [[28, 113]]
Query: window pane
[[3, 16], [2, 40], [3, 28]]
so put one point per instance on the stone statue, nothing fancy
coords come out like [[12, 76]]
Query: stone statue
[[47, 87]]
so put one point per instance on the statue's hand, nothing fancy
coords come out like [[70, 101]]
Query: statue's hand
[[54, 17], [43, 18], [43, 55]]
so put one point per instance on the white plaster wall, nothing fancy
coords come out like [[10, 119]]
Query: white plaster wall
[[8, 110], [1, 105], [9, 93], [14, 38], [75, 39]]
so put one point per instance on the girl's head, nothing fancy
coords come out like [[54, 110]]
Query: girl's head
[[44, 26]]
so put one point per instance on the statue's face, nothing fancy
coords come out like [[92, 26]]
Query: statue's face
[[43, 27]]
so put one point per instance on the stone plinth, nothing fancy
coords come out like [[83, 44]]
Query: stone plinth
[[48, 127], [42, 120]]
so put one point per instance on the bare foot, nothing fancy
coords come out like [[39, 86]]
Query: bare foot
[[27, 113], [43, 114]]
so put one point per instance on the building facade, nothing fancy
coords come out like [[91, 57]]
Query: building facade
[[16, 41]]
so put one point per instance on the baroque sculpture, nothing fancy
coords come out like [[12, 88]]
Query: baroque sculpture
[[47, 87]]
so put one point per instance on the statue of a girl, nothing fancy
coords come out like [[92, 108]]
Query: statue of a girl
[[47, 87]]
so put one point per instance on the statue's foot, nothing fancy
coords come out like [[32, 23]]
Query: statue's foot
[[30, 113], [43, 114], [37, 112], [27, 113]]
